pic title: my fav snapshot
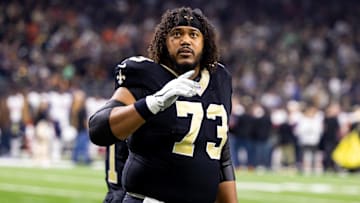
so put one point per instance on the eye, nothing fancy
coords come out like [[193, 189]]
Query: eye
[[176, 34], [194, 34]]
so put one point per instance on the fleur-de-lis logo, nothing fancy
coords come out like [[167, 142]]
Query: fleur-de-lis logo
[[121, 77], [188, 19]]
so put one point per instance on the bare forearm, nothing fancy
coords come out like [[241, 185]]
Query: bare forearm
[[117, 119], [124, 121], [227, 192]]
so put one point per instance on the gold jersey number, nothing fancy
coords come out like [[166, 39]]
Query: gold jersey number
[[186, 145], [112, 173]]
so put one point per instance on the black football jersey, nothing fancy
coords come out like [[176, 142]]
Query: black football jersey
[[175, 155]]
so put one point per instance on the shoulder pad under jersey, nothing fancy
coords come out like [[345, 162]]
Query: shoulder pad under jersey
[[223, 70], [142, 73], [224, 80]]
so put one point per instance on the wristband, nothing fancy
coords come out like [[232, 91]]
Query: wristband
[[227, 173], [142, 108]]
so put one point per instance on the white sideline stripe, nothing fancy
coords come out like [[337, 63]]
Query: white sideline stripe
[[61, 164], [73, 179], [293, 198], [314, 188], [49, 191]]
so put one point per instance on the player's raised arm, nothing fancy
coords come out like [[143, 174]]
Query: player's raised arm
[[115, 120], [121, 116]]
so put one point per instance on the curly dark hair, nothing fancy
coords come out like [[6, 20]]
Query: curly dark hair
[[157, 50]]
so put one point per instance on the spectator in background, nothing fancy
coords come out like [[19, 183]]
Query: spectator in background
[[261, 133], [331, 135], [240, 128], [92, 104], [15, 103], [79, 119], [294, 110], [5, 126], [286, 141], [44, 134], [308, 130], [60, 100]]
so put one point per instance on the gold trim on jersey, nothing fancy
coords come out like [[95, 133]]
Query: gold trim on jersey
[[170, 70], [204, 81]]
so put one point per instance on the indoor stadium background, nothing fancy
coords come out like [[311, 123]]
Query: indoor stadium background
[[287, 58]]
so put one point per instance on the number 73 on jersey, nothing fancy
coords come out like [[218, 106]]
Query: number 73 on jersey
[[186, 146]]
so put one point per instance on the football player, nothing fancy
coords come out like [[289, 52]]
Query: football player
[[173, 108]]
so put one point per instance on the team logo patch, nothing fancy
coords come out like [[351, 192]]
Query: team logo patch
[[121, 77]]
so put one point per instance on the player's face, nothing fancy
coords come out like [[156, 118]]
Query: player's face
[[185, 46]]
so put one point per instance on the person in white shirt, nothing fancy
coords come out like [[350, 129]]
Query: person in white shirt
[[308, 131]]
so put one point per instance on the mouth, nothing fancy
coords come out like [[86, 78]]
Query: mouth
[[185, 52]]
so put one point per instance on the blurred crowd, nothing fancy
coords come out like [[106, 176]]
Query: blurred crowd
[[57, 60]]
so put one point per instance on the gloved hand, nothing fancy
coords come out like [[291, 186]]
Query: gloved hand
[[181, 86]]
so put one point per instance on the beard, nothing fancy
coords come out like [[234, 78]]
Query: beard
[[183, 67]]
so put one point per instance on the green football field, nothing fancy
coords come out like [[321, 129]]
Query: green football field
[[85, 184]]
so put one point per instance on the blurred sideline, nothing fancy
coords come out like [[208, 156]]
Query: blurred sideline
[[58, 164]]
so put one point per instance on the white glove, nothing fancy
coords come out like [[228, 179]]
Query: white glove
[[151, 200], [181, 86]]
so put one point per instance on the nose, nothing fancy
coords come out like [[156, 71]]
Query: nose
[[185, 40]]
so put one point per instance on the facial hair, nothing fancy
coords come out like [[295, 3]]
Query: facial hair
[[182, 68]]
